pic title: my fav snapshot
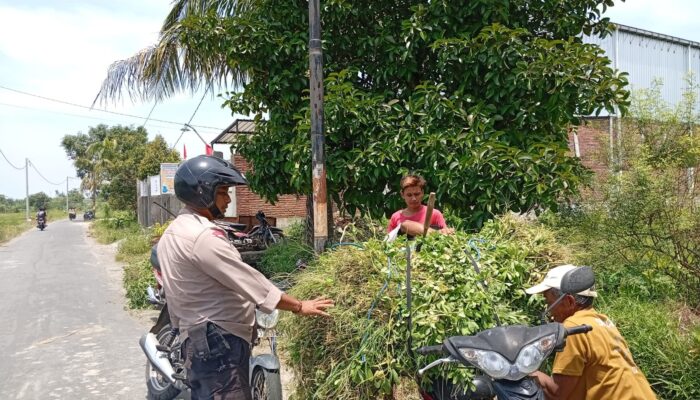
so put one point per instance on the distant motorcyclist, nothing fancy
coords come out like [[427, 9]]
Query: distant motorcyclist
[[42, 218], [42, 215]]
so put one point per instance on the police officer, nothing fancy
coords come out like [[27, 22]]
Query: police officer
[[211, 292]]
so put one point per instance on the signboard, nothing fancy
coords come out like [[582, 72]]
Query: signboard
[[143, 188], [167, 176], [155, 185]]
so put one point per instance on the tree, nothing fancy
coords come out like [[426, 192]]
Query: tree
[[477, 97], [157, 152], [40, 199], [111, 159]]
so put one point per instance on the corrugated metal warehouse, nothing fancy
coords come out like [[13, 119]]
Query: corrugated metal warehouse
[[648, 55]]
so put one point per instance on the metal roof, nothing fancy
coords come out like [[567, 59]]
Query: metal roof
[[647, 56], [237, 127]]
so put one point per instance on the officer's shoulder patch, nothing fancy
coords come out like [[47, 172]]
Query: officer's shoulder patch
[[219, 233]]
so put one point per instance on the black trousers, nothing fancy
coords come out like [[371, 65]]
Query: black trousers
[[224, 374]]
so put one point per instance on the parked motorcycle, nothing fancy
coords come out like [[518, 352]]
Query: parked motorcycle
[[165, 371], [88, 215], [260, 237], [506, 355]]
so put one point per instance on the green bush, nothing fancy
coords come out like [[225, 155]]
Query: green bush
[[133, 245], [664, 342], [282, 258], [137, 276], [351, 356], [296, 232]]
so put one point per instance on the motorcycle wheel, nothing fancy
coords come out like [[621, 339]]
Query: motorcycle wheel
[[158, 387], [266, 385], [269, 240]]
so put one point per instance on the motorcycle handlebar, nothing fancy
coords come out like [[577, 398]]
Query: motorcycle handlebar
[[425, 350], [578, 329]]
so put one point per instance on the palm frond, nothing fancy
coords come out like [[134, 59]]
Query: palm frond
[[171, 66]]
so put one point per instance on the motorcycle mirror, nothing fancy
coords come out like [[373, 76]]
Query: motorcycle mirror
[[577, 280]]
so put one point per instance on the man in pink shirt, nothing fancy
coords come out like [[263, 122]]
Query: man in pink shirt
[[412, 217]]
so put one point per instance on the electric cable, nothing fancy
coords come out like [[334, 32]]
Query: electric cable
[[197, 109], [43, 177], [8, 161], [98, 109], [149, 114], [95, 118]]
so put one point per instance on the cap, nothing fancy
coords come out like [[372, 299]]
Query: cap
[[553, 280]]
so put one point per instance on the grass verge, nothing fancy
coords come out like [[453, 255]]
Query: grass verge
[[12, 225]]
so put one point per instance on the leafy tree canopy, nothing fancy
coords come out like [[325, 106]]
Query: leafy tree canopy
[[111, 159], [478, 97]]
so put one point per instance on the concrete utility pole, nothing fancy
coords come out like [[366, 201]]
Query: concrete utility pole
[[318, 166], [26, 185]]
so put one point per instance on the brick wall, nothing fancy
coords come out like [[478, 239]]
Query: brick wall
[[285, 210], [594, 144]]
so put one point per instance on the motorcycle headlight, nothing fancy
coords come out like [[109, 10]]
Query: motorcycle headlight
[[267, 321], [532, 355], [494, 364], [497, 367]]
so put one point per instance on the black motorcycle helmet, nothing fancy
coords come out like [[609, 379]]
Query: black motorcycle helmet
[[196, 181]]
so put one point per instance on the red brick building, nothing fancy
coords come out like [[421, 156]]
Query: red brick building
[[245, 203]]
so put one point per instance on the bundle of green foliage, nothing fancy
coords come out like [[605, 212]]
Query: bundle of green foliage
[[360, 353]]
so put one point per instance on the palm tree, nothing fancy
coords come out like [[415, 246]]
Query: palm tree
[[172, 65], [99, 155]]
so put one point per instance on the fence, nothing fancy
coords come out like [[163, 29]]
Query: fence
[[152, 204]]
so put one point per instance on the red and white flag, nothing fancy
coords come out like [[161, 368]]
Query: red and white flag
[[209, 150], [184, 152]]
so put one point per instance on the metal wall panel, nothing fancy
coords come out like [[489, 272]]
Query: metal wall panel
[[647, 56]]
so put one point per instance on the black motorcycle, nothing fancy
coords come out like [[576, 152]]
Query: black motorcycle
[[506, 355], [261, 237], [88, 215], [41, 223], [263, 234]]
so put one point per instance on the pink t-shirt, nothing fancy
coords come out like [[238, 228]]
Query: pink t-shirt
[[436, 220]]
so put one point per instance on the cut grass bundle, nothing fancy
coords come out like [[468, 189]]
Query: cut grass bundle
[[361, 352]]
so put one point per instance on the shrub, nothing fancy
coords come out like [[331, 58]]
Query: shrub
[[137, 276], [284, 257], [664, 343], [134, 244]]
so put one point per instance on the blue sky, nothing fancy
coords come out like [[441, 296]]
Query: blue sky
[[61, 49]]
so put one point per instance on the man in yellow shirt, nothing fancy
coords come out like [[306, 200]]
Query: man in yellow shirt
[[596, 365]]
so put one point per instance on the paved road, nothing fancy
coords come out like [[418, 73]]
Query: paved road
[[64, 331]]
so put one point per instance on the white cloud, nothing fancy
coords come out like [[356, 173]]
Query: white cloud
[[671, 17], [75, 46]]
